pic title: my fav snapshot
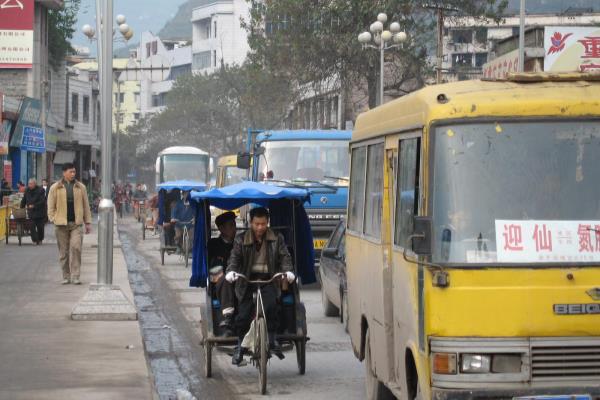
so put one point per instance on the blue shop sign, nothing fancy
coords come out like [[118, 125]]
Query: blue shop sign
[[33, 140]]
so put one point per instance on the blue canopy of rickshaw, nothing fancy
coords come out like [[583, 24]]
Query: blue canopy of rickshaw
[[182, 185], [170, 185], [278, 199]]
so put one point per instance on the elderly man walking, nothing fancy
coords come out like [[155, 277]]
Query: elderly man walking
[[34, 201], [69, 210]]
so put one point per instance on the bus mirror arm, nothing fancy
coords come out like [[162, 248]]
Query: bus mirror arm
[[440, 277], [420, 243]]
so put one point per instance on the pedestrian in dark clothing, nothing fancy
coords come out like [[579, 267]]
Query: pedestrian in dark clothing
[[34, 200], [4, 191]]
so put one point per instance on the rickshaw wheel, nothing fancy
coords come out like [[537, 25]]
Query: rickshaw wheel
[[262, 363], [162, 256], [186, 254], [7, 230], [208, 359], [143, 231], [20, 231], [301, 355]]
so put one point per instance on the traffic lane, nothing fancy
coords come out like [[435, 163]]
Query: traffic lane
[[331, 367], [332, 371]]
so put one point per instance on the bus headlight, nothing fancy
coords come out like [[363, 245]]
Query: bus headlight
[[475, 363]]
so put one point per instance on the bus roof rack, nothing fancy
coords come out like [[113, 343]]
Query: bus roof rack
[[532, 77]]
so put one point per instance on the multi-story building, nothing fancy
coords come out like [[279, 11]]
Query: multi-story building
[[217, 35], [162, 62], [469, 42], [25, 77]]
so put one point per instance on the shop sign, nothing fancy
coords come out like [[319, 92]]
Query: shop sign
[[16, 33]]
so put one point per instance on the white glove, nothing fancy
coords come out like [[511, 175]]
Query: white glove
[[231, 277], [290, 276]]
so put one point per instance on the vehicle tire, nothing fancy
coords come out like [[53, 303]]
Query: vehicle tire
[[143, 231], [301, 355], [329, 309], [264, 355], [375, 389], [7, 233], [162, 256], [186, 252], [344, 311], [208, 359], [20, 232]]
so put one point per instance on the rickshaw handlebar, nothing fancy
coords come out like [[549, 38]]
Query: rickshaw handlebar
[[279, 275]]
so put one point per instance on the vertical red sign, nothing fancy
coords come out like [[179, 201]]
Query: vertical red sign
[[16, 33]]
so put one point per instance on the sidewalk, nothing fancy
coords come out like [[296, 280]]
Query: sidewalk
[[46, 355]]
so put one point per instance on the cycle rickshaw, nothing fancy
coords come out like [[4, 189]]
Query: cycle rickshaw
[[166, 195], [288, 217], [17, 224]]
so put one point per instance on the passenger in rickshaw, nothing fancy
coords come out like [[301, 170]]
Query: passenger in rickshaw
[[219, 249], [258, 253], [182, 215], [170, 199]]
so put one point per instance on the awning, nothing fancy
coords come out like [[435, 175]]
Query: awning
[[64, 156]]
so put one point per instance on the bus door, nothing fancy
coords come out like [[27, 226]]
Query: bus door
[[407, 277]]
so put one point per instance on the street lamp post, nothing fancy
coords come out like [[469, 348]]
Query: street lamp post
[[105, 301], [126, 34], [381, 39]]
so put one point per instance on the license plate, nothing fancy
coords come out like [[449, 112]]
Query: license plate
[[556, 397], [319, 243]]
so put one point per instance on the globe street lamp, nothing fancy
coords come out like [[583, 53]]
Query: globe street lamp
[[379, 38]]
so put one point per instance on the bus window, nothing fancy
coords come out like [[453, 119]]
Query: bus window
[[374, 196], [407, 189], [357, 189]]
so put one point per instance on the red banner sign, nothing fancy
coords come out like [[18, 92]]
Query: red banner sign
[[16, 33]]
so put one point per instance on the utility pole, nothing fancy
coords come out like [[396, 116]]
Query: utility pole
[[522, 37], [118, 130], [440, 9]]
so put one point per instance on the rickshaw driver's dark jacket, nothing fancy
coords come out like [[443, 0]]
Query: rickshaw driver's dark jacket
[[241, 259]]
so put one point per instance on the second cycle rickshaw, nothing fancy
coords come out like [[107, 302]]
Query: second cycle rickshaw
[[288, 217], [168, 193]]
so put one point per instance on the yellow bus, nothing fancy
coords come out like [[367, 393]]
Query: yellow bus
[[473, 240], [228, 173]]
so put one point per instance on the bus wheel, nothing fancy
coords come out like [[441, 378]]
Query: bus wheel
[[412, 379], [375, 389]]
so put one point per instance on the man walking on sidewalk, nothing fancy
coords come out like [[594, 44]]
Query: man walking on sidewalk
[[68, 210], [35, 202]]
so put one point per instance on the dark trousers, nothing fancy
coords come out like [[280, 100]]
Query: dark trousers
[[225, 293], [247, 308], [37, 229]]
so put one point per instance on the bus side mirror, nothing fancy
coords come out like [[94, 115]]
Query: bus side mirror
[[243, 160], [421, 237]]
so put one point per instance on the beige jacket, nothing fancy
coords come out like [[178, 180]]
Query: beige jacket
[[57, 204]]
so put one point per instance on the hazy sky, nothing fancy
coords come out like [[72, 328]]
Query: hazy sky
[[142, 15]]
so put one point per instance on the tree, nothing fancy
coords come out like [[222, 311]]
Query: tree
[[212, 112], [61, 26], [311, 41]]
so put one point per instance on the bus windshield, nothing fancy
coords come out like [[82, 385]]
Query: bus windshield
[[517, 193], [321, 161], [234, 175], [192, 167]]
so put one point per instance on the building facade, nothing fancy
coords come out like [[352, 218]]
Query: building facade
[[470, 43], [25, 95], [217, 35]]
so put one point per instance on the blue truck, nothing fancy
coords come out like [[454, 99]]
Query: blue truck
[[317, 160]]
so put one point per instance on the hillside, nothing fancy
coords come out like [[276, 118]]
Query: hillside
[[180, 26]]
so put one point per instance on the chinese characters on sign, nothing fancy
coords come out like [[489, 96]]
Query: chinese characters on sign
[[16, 33], [570, 49], [33, 140], [548, 241]]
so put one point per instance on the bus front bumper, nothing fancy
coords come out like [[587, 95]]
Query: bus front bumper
[[508, 394]]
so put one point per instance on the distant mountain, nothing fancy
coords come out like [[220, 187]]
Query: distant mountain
[[180, 26]]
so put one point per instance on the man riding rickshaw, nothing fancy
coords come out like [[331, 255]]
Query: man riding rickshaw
[[176, 217], [265, 262]]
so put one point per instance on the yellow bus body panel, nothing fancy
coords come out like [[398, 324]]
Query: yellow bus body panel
[[511, 303]]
